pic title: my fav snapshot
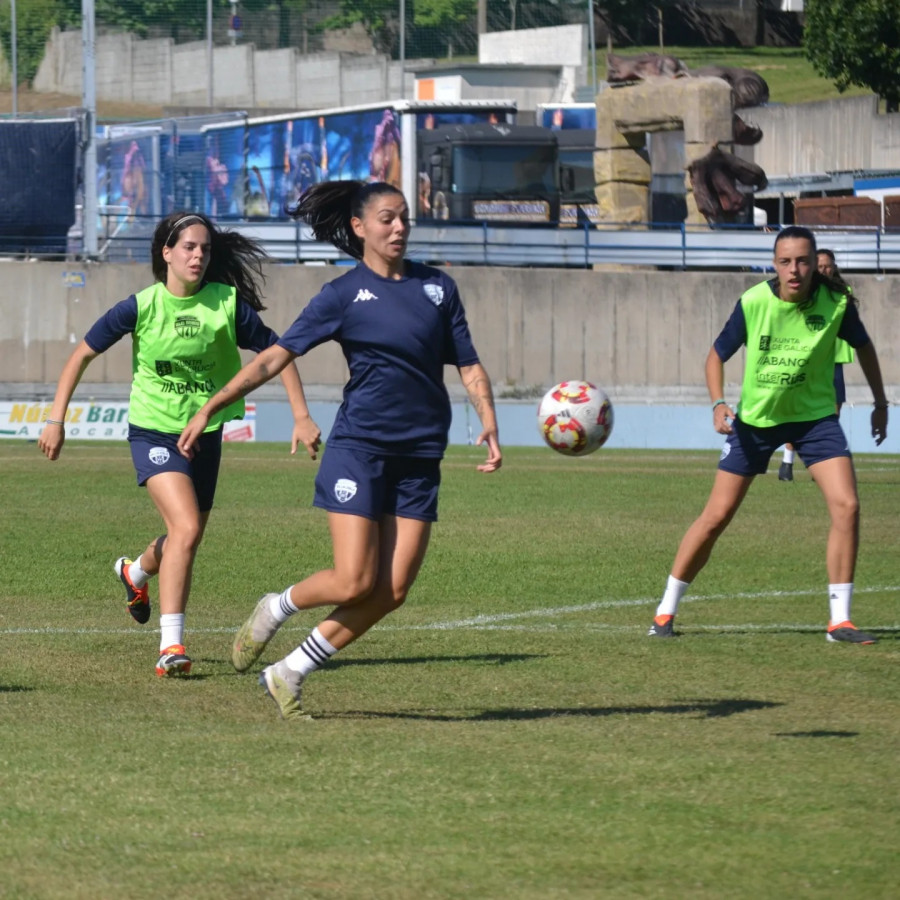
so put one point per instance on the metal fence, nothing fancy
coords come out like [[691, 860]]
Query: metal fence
[[670, 247]]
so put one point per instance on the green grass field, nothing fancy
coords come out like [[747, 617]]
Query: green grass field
[[510, 733]]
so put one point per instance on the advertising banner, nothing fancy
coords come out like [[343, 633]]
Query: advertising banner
[[95, 421]]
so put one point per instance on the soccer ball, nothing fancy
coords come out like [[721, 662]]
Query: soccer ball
[[575, 418]]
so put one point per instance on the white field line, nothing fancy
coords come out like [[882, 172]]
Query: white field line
[[502, 621], [616, 604]]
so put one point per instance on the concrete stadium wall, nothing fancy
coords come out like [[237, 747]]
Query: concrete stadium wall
[[566, 45], [841, 135], [162, 73], [642, 335]]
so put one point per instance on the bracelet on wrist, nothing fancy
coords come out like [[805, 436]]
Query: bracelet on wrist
[[882, 405], [719, 402], [54, 422]]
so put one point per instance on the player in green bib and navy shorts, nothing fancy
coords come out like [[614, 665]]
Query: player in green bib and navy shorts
[[186, 329], [790, 326], [843, 353]]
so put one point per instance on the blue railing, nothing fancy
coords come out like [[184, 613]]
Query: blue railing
[[857, 249], [672, 247]]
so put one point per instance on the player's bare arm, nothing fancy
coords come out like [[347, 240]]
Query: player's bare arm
[[868, 362], [481, 396]]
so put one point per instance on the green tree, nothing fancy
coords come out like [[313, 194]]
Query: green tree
[[380, 19], [139, 16], [34, 19], [856, 42], [450, 18]]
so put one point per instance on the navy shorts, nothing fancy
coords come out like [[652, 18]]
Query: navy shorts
[[372, 485], [748, 449], [153, 452]]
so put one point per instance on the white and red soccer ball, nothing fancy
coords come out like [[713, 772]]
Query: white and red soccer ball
[[575, 418]]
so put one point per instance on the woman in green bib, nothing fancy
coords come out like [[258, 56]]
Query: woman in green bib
[[790, 327], [185, 329]]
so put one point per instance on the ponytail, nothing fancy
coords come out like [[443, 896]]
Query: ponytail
[[328, 207]]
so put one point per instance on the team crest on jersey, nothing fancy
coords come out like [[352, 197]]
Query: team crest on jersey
[[364, 294], [344, 489], [163, 367], [187, 326], [435, 293], [815, 323], [159, 456]]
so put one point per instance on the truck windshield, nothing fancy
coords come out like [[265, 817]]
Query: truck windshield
[[504, 170]]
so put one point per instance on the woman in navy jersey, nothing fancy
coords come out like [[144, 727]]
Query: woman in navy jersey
[[399, 323], [186, 329], [789, 326]]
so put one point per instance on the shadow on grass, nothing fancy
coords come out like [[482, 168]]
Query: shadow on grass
[[14, 689], [497, 659], [710, 709], [494, 659], [816, 734]]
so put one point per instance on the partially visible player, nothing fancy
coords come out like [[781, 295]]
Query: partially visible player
[[789, 326], [843, 353], [399, 323], [186, 330]]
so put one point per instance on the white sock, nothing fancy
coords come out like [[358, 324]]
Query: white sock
[[137, 575], [675, 589], [171, 629], [281, 607], [840, 596], [788, 456], [314, 652]]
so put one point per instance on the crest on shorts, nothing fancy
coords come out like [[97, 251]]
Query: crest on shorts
[[435, 293], [344, 489], [159, 456]]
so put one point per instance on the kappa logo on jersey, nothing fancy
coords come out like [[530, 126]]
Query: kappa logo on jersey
[[159, 456], [344, 489], [364, 294], [435, 293], [187, 326]]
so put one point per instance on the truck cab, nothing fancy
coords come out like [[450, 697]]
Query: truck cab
[[488, 173]]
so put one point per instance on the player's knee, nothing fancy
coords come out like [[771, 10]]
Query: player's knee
[[353, 587], [185, 537], [714, 522], [845, 509]]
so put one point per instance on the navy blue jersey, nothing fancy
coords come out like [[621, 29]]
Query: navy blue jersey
[[251, 332], [397, 336], [734, 335]]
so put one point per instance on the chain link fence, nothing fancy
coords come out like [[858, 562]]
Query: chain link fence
[[410, 29]]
